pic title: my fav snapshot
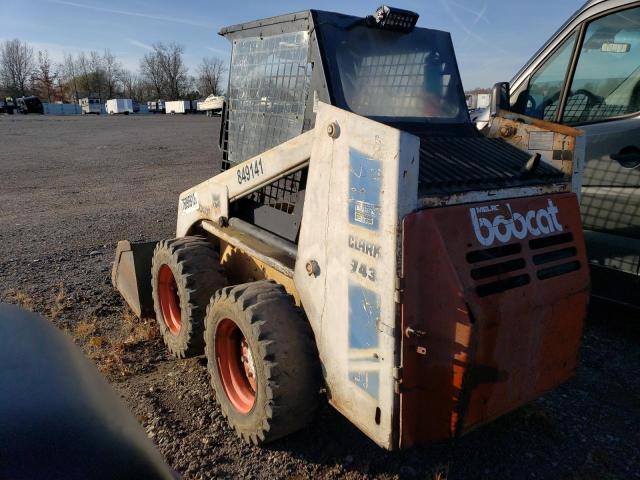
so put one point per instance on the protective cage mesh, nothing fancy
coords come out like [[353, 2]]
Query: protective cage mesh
[[268, 86]]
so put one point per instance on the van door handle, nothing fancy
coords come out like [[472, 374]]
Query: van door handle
[[628, 157]]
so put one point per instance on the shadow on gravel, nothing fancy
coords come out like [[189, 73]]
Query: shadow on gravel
[[588, 428]]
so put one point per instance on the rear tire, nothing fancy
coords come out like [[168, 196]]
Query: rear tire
[[185, 272], [262, 360]]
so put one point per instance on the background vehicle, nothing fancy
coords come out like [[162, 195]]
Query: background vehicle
[[8, 105], [156, 106], [212, 105], [119, 105], [588, 75], [478, 100], [177, 106], [90, 105], [363, 223], [31, 104]]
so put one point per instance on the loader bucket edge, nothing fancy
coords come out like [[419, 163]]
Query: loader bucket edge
[[131, 275]]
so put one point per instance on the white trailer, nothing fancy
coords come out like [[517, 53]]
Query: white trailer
[[478, 100], [177, 106], [483, 100], [119, 105]]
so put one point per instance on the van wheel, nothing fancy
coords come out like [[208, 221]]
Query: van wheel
[[185, 272], [262, 360]]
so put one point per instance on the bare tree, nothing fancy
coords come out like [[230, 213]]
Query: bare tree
[[152, 73], [70, 74], [133, 86], [16, 65], [83, 69], [210, 73], [111, 69], [175, 71], [97, 74], [164, 69], [45, 76]]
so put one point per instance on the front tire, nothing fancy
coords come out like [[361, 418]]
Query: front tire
[[262, 360], [185, 272]]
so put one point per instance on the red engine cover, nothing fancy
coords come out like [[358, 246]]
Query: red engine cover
[[495, 295]]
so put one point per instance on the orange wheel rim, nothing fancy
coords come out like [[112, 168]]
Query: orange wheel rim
[[236, 367], [169, 300]]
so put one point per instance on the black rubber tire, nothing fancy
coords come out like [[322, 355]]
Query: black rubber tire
[[284, 354], [196, 268]]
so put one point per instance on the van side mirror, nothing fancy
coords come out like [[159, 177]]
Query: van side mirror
[[500, 99]]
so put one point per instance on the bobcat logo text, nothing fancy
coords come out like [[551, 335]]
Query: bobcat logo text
[[519, 225]]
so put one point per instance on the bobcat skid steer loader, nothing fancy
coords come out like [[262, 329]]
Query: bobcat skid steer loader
[[363, 239]]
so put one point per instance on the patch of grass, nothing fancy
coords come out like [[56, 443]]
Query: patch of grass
[[20, 298], [111, 362], [110, 353], [136, 331], [83, 330], [60, 302]]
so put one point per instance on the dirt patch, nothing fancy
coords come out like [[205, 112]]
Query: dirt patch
[[71, 187]]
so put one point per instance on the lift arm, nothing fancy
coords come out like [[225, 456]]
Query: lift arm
[[210, 199]]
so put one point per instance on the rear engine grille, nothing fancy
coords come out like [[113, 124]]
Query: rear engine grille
[[498, 269], [500, 286], [454, 165], [560, 248]]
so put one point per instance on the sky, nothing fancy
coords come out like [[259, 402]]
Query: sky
[[492, 38]]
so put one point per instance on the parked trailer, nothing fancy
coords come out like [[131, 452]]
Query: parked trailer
[[155, 106], [478, 100], [31, 104], [90, 105], [119, 105], [178, 106]]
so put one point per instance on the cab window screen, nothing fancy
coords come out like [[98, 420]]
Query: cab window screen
[[268, 87], [606, 82], [402, 76]]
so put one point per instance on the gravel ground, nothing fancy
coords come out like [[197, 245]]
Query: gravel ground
[[71, 187]]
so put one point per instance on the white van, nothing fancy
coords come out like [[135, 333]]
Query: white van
[[588, 76]]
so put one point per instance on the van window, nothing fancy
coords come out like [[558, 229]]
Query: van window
[[542, 96], [606, 82]]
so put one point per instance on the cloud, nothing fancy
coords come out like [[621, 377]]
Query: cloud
[[56, 51], [137, 43], [161, 18], [462, 25], [480, 15]]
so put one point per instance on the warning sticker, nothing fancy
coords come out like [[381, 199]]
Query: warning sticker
[[365, 185], [189, 203], [365, 212], [541, 141]]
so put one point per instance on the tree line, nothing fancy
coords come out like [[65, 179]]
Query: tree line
[[162, 74]]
